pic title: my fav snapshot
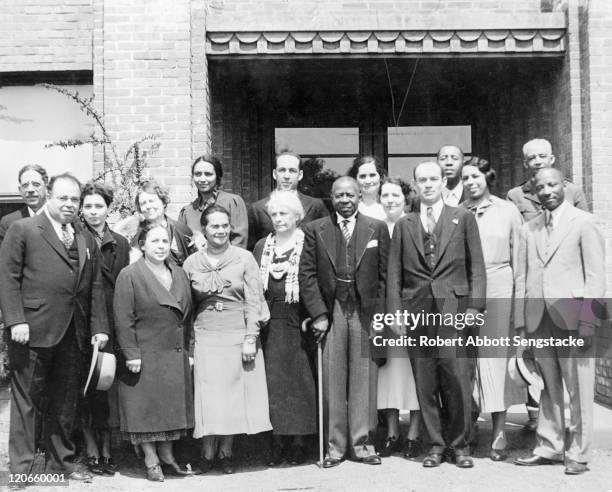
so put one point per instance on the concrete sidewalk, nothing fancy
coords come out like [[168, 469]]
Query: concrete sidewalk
[[395, 473]]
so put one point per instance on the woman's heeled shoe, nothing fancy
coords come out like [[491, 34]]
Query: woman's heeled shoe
[[392, 445], [498, 454], [176, 470], [154, 473], [108, 465], [227, 465]]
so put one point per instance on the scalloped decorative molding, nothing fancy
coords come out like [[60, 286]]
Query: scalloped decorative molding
[[430, 42]]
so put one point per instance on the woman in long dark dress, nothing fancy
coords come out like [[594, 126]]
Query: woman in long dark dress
[[288, 351], [100, 409], [153, 325]]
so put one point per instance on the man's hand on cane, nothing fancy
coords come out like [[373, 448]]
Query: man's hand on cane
[[319, 327]]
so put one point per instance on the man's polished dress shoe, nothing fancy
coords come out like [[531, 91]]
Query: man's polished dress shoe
[[574, 467], [373, 459], [464, 461], [433, 460], [413, 448], [498, 454], [80, 475], [533, 460], [330, 462], [392, 445]]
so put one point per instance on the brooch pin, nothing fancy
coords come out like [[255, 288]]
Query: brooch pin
[[455, 221]]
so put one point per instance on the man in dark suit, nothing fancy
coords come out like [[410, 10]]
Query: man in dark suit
[[537, 154], [342, 283], [52, 299], [32, 182], [287, 174], [561, 271], [436, 266], [450, 159]]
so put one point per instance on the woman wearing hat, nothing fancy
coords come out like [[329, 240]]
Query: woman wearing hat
[[231, 395], [499, 224], [153, 325], [100, 412]]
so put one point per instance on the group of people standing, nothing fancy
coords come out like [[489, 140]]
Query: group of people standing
[[214, 340]]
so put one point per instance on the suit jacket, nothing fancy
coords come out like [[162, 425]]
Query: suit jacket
[[260, 224], [457, 281], [562, 273], [529, 204], [317, 275], [8, 219], [38, 287]]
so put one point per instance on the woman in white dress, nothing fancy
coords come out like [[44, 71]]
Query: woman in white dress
[[499, 224], [368, 173], [396, 389]]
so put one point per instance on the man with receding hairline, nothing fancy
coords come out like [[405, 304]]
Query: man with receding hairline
[[560, 279], [537, 154], [52, 301], [342, 283], [436, 266]]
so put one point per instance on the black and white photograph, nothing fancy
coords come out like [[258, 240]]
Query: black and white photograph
[[320, 245]]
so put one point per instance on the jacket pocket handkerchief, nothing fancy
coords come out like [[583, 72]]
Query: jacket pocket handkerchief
[[372, 244]]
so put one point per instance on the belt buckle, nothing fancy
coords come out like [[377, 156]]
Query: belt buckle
[[219, 306]]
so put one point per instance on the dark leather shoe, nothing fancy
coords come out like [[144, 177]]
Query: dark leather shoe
[[80, 475], [176, 470], [227, 465], [373, 459], [498, 454], [94, 465], [330, 462], [531, 425], [204, 465], [575, 468], [297, 455], [109, 467], [154, 473], [413, 448], [533, 460], [464, 461], [432, 460], [392, 445], [276, 456]]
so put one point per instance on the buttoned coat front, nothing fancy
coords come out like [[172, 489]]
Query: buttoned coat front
[[154, 325]]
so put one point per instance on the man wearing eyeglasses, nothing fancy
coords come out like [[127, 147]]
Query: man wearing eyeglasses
[[537, 154]]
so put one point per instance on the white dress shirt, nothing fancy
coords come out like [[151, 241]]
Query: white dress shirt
[[437, 211], [351, 221], [453, 197], [554, 217], [58, 226]]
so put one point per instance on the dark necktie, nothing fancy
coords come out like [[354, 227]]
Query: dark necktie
[[67, 236], [345, 230], [431, 221]]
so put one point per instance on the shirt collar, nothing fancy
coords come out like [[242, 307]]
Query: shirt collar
[[457, 190], [558, 212], [199, 204], [34, 214], [437, 208], [340, 219]]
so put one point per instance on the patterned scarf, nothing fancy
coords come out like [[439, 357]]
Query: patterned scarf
[[292, 286]]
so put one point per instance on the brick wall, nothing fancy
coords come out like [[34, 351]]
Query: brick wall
[[45, 35], [150, 78], [595, 19], [243, 14]]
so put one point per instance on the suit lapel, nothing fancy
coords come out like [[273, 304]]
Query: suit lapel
[[363, 233], [306, 203], [539, 231], [162, 296], [413, 221], [448, 222], [83, 251], [50, 236], [327, 235], [560, 232]]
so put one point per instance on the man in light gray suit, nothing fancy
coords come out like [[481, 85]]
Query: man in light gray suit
[[561, 274]]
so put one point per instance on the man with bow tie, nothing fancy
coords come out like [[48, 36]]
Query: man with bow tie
[[436, 266], [342, 284], [561, 277], [52, 300]]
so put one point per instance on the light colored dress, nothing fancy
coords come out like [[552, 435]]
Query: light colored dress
[[376, 210], [396, 387], [231, 397], [499, 223]]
